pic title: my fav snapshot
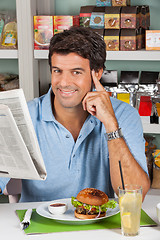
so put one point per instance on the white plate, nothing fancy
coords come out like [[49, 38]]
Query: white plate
[[68, 217]]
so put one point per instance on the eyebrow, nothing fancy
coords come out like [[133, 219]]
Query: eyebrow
[[73, 69]]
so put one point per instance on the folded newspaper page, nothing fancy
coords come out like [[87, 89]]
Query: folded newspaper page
[[20, 155]]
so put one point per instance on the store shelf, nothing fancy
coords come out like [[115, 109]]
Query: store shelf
[[8, 54], [150, 128], [139, 55], [41, 54]]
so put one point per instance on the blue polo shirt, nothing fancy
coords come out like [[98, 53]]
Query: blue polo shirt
[[72, 166]]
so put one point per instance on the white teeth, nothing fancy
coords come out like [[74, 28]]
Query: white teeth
[[68, 91]]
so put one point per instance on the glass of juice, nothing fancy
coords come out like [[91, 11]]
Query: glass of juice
[[130, 203]]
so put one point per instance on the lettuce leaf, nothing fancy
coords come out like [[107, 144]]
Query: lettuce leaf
[[110, 204]]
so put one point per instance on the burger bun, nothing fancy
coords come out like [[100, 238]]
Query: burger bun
[[87, 216]]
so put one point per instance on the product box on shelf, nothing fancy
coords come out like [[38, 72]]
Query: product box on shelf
[[140, 39], [43, 31], [103, 3], [97, 17], [130, 17], [121, 2], [128, 40], [112, 17], [149, 77], [85, 15], [111, 38], [129, 77], [145, 106], [64, 22], [145, 16], [99, 31], [152, 39]]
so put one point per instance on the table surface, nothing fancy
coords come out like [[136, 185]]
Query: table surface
[[10, 224]]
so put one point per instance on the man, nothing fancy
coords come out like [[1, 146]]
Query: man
[[80, 130]]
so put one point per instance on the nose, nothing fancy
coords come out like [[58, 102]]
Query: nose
[[65, 79]]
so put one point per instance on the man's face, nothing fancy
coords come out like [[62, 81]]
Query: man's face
[[71, 79]]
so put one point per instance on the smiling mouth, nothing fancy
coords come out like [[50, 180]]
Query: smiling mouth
[[67, 92]]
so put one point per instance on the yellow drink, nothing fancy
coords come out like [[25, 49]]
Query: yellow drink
[[130, 203]]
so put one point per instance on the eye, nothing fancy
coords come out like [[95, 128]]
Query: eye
[[56, 70], [77, 72]]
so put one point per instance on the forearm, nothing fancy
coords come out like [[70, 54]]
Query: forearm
[[132, 171]]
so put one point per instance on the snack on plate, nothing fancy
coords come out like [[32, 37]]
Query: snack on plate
[[91, 203]]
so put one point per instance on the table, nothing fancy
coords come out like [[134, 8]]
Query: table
[[10, 228]]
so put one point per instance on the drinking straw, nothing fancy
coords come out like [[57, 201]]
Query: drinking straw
[[120, 168]]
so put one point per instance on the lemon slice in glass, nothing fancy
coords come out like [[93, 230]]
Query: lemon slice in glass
[[126, 219]]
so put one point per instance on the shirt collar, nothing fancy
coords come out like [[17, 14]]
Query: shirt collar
[[47, 114]]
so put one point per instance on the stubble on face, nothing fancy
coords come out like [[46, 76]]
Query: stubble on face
[[71, 80]]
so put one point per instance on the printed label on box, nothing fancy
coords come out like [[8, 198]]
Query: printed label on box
[[153, 40]]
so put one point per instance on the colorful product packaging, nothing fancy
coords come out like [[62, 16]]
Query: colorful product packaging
[[130, 17], [128, 40], [112, 17], [125, 97], [101, 3], [85, 15], [97, 17], [111, 38], [121, 3], [62, 23], [43, 31], [129, 81], [145, 106], [152, 39]]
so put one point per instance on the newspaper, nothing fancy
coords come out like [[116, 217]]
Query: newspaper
[[20, 155]]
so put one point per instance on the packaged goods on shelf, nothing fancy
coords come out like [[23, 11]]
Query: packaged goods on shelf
[[85, 15], [149, 149], [128, 39], [149, 78], [148, 90], [64, 22], [100, 3], [129, 81], [112, 17], [99, 31], [111, 38], [152, 39], [97, 17], [8, 30], [8, 81], [109, 80], [43, 31], [145, 16], [2, 20], [130, 17], [156, 169], [121, 2]]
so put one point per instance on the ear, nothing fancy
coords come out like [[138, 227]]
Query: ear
[[99, 73]]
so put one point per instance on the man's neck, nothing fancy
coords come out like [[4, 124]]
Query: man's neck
[[71, 118]]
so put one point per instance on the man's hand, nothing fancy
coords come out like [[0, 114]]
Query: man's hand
[[98, 104]]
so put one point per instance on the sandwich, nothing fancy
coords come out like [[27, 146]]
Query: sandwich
[[91, 203]]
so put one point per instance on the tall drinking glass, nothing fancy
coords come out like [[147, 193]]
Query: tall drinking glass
[[130, 203]]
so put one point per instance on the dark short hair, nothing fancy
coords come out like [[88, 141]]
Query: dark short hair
[[83, 41]]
